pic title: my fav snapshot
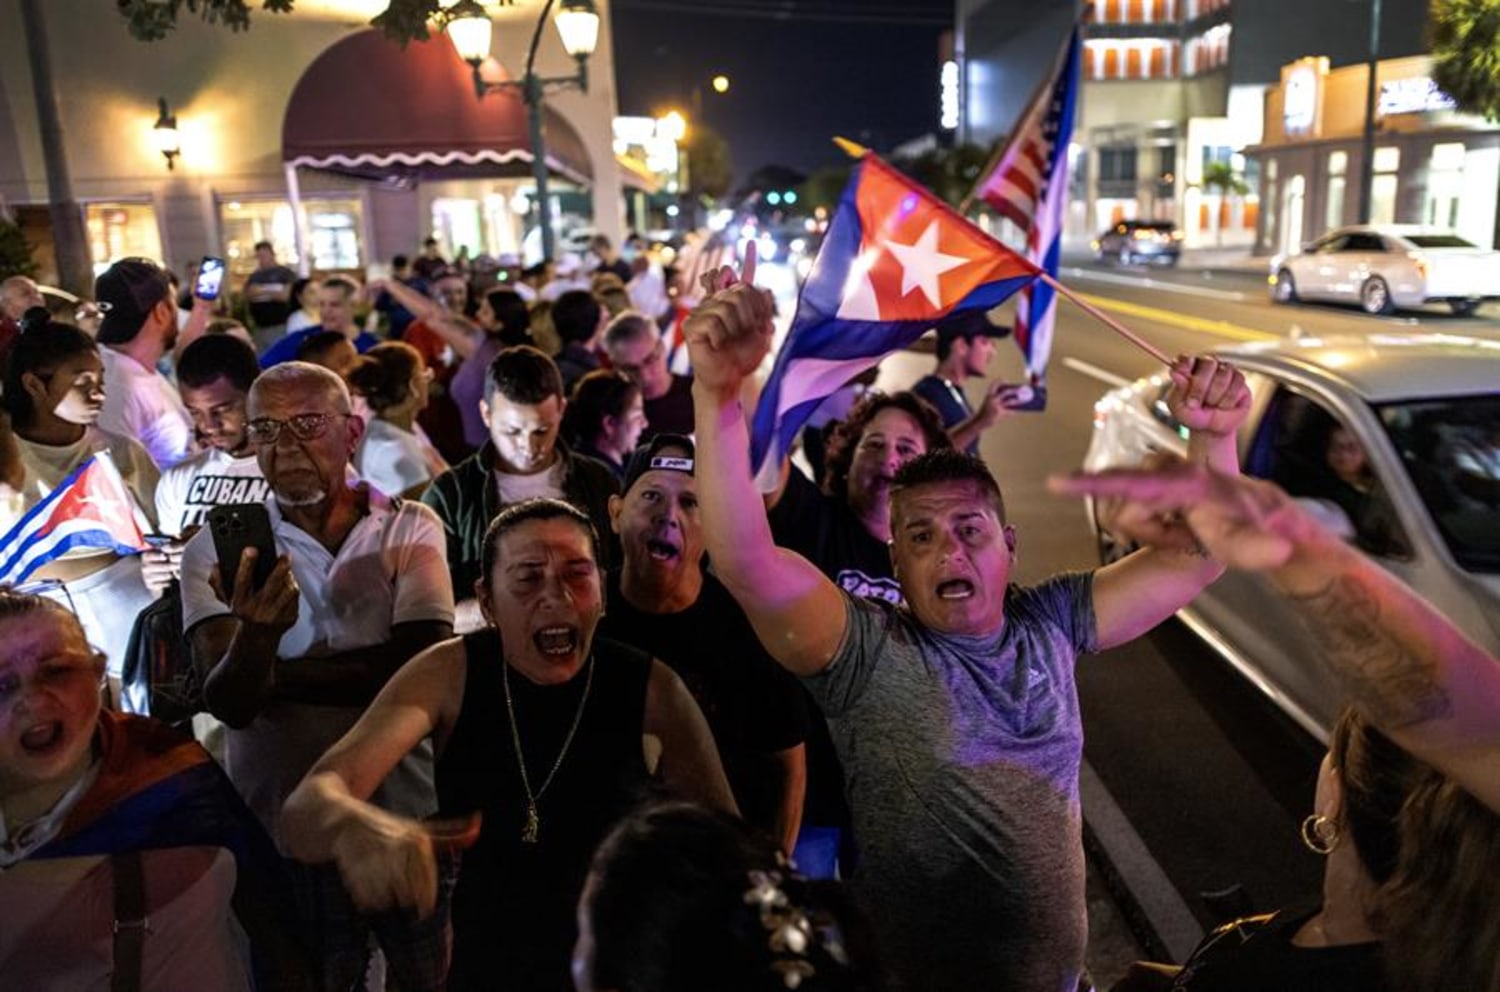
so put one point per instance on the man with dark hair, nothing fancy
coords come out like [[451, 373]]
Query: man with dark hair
[[268, 294], [523, 459], [545, 729], [609, 259], [331, 350], [955, 715], [663, 601], [635, 347], [430, 262], [579, 320], [214, 376], [965, 344], [397, 316], [337, 297], [139, 327]]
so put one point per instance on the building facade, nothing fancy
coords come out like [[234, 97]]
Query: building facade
[[1431, 165], [1174, 91], [378, 146]]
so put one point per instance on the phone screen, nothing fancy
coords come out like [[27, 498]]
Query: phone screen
[[210, 278]]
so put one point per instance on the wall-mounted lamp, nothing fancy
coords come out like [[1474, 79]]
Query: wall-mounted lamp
[[168, 141]]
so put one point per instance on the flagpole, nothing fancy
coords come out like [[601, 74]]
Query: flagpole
[[1105, 318]]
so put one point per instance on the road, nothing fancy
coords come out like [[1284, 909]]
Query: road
[[1210, 777]]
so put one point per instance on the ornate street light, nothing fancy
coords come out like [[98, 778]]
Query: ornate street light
[[168, 140], [470, 29]]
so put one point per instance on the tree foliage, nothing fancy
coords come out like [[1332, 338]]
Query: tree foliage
[[709, 167], [948, 172], [15, 252], [1221, 178], [153, 20], [1466, 53]]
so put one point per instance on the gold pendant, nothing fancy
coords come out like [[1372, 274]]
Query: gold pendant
[[533, 825]]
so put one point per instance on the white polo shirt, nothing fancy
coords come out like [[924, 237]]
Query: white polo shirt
[[140, 403], [390, 569]]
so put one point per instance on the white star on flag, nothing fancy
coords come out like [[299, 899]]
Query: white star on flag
[[922, 264]]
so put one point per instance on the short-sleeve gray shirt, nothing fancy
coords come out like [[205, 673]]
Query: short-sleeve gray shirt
[[961, 756]]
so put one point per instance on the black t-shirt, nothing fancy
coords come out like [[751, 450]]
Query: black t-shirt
[[827, 533], [672, 411], [949, 400], [753, 706], [271, 313], [1257, 953]]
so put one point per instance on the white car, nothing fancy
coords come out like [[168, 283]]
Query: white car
[[1423, 415], [1386, 267]]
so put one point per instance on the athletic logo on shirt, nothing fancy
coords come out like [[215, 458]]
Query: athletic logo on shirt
[[857, 583]]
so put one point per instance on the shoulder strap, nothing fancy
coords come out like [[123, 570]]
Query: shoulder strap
[[131, 922]]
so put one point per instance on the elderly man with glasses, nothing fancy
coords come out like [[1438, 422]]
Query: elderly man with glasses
[[360, 585], [636, 348]]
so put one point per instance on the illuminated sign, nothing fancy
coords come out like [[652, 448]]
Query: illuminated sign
[[1416, 95], [1299, 107], [948, 115]]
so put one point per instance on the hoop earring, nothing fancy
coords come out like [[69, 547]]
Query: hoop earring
[[1320, 834]]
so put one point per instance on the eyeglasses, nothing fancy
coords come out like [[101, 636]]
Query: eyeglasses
[[264, 432], [652, 357]]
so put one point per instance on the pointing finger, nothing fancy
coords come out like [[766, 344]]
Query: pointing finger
[[747, 271]]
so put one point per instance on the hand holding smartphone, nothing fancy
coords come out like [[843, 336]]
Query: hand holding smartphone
[[210, 278], [235, 528]]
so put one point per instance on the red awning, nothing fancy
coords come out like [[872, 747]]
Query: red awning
[[367, 107]]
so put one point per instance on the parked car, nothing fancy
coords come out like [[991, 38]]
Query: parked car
[[1154, 241], [1423, 414], [1387, 267]]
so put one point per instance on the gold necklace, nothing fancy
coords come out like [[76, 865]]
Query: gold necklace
[[533, 820]]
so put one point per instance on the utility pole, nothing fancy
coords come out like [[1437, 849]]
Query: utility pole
[[69, 241], [1367, 145]]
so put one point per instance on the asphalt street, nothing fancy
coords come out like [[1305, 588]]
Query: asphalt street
[[1210, 779]]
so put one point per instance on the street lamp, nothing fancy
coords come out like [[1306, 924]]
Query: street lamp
[[168, 140], [578, 25], [673, 127]]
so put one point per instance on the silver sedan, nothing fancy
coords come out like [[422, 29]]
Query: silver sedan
[[1394, 443]]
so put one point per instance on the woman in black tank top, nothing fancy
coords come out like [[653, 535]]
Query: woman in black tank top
[[513, 924]]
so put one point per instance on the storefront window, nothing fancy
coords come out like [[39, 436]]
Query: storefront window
[[1384, 188], [457, 223], [333, 227], [1338, 166], [1445, 183], [121, 230]]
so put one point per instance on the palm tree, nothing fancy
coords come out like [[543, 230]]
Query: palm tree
[[1466, 58], [1221, 177]]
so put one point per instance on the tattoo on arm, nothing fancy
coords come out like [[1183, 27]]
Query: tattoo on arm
[[1395, 687]]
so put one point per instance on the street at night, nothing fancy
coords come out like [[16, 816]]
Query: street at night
[[749, 495]]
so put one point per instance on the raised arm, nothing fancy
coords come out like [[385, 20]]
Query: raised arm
[[1409, 670], [1136, 593], [385, 860], [457, 332], [797, 613]]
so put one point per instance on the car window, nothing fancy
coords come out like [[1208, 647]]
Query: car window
[[1451, 450], [1363, 242], [1328, 245], [1439, 241], [1314, 455]]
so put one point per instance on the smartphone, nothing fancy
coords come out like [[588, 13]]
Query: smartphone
[[237, 527], [210, 278], [1022, 396]]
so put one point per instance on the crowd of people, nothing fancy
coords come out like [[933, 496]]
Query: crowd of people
[[541, 692]]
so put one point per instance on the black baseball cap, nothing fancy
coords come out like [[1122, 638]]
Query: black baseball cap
[[969, 324], [127, 292], [648, 457]]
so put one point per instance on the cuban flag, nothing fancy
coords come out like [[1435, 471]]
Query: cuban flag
[[1028, 184], [91, 508], [894, 262]]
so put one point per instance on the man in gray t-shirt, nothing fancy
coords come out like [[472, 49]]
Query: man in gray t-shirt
[[955, 716]]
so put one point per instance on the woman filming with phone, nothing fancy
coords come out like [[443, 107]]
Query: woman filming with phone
[[54, 393]]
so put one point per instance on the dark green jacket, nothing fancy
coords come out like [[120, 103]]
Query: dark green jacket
[[466, 500]]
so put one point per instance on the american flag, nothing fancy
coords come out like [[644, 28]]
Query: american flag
[[1028, 184]]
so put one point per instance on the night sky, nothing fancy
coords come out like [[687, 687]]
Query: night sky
[[864, 69]]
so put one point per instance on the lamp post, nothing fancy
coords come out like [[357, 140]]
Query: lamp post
[[168, 140], [1367, 139], [578, 23]]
